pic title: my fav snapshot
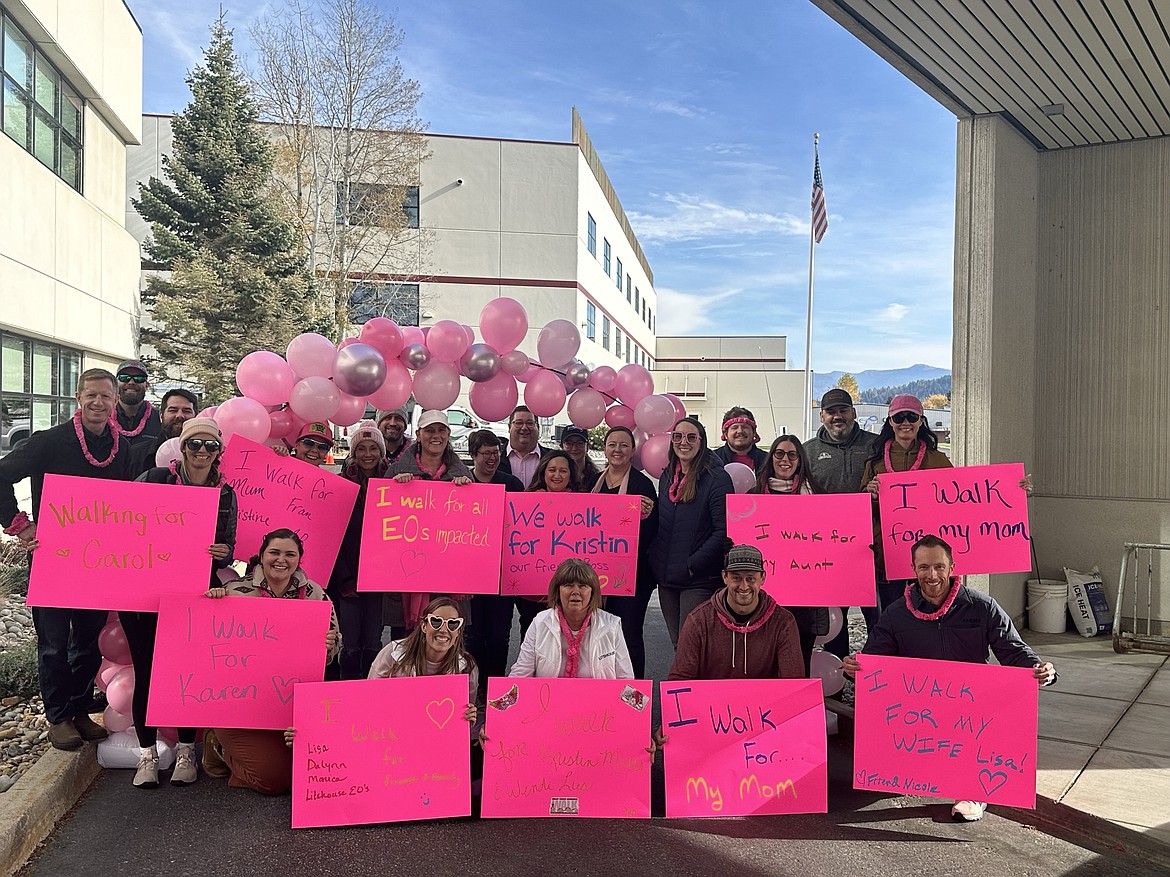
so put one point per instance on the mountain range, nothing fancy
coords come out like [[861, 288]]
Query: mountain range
[[879, 377]]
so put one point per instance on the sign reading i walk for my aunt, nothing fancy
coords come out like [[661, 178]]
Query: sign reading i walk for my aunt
[[120, 544]]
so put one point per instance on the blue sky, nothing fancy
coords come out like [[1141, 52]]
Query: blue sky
[[703, 114]]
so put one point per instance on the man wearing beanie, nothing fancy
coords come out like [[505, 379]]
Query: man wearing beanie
[[392, 425], [740, 439]]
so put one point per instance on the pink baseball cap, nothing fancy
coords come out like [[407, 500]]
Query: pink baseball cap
[[905, 402]]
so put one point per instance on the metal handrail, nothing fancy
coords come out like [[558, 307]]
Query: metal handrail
[[1124, 641]]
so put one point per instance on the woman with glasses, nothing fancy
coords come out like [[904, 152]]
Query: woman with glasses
[[687, 552], [620, 476], [575, 442], [786, 472], [906, 443], [314, 444], [555, 473], [576, 638], [201, 446]]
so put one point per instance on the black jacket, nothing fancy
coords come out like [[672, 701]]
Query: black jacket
[[641, 485], [726, 455], [151, 431], [692, 537], [225, 523]]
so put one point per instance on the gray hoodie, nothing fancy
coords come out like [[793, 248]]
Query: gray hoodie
[[838, 466]]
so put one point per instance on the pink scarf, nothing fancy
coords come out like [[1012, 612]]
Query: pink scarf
[[573, 652], [100, 464], [938, 613], [917, 462]]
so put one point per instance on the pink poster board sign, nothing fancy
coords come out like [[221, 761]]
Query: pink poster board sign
[[981, 511], [380, 750], [233, 662], [274, 491], [567, 748], [744, 747], [816, 547], [431, 536], [946, 729], [542, 529], [120, 544]]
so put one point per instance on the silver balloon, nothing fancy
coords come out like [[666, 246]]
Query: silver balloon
[[577, 374], [480, 363], [414, 356], [359, 369]]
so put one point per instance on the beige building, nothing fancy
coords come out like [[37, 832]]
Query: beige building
[[72, 84]]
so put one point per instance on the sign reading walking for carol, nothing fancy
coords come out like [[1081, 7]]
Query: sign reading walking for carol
[[542, 529], [567, 747], [980, 510], [816, 547], [946, 729], [120, 544], [232, 662], [274, 491], [380, 750], [426, 536], [744, 747]]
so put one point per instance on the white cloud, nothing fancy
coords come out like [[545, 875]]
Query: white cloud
[[685, 313], [893, 313], [654, 105], [693, 216]]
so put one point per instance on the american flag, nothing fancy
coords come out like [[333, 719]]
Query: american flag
[[820, 216]]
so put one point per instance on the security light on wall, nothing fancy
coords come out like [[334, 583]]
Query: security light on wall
[[459, 182]]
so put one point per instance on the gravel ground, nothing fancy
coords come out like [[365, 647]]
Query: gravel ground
[[24, 732]]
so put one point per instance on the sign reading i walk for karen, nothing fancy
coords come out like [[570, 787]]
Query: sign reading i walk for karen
[[981, 511], [120, 544], [274, 491], [425, 536], [946, 729]]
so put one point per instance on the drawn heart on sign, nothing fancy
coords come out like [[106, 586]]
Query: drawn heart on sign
[[412, 562], [860, 776], [750, 511], [284, 687], [62, 552], [436, 708], [991, 781], [164, 556]]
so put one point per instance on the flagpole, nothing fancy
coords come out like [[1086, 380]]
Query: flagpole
[[808, 324]]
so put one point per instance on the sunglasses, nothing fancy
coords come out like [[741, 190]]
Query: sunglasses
[[125, 379], [684, 438], [320, 446], [211, 445], [786, 455], [438, 623], [904, 417]]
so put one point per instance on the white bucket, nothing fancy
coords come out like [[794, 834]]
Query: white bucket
[[1047, 605]]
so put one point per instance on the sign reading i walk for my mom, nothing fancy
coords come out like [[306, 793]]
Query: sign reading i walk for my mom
[[120, 544]]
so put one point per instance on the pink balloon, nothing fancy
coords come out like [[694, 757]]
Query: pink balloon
[[112, 643], [359, 369], [469, 332], [654, 414], [244, 416], [514, 362], [835, 622], [446, 341], [828, 667], [413, 335], [314, 398], [529, 373], [350, 410], [114, 721], [311, 354], [558, 343], [494, 398], [281, 424], [209, 411], [105, 673], [265, 377], [633, 384], [345, 342], [620, 415], [120, 691], [544, 394], [602, 378], [168, 452], [395, 390], [383, 335], [742, 477], [503, 323], [586, 408], [680, 410], [437, 385], [655, 454]]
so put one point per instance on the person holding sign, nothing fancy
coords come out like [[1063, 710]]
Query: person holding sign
[[576, 638], [360, 613], [940, 619], [687, 552], [88, 445], [260, 759], [201, 445], [620, 476], [786, 472], [314, 444]]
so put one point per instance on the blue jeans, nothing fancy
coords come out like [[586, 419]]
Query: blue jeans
[[68, 658]]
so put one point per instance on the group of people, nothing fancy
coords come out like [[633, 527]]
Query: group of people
[[721, 622]]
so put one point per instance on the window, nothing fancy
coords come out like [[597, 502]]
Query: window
[[629, 288], [617, 341], [638, 302], [371, 203], [37, 382], [606, 252], [397, 301], [591, 234], [628, 349], [40, 110], [591, 321], [619, 275], [605, 332]]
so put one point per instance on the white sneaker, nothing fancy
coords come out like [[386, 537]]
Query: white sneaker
[[968, 811], [147, 775], [185, 771]]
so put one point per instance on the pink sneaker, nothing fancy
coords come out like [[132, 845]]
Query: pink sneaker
[[968, 811]]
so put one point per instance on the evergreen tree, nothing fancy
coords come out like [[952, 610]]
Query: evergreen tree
[[237, 281]]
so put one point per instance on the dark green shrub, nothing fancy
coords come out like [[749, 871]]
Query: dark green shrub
[[18, 671]]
